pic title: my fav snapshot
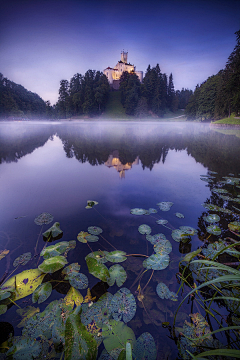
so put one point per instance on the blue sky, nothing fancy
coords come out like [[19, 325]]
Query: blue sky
[[43, 42]]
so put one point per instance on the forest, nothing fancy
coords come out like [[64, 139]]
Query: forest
[[219, 95]]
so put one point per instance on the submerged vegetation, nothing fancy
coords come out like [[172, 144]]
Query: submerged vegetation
[[99, 322]]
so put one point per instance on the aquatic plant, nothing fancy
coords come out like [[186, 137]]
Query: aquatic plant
[[123, 305], [44, 218]]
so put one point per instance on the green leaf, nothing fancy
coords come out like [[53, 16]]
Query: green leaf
[[179, 215], [22, 259], [116, 334], [214, 229], [52, 264], [26, 313], [3, 309], [116, 256], [53, 231], [78, 280], [44, 218], [188, 257], [94, 230], [56, 249], [123, 305], [157, 262], [79, 343], [144, 229], [145, 348], [231, 353], [90, 204], [118, 274], [164, 292], [100, 256], [97, 269], [128, 351], [24, 348], [73, 297], [42, 293]]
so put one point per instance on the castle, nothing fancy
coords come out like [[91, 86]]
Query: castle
[[114, 74]]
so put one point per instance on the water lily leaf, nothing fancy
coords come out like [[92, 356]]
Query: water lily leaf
[[138, 211], [211, 218], [73, 297], [157, 262], [24, 348], [220, 191], [3, 253], [234, 226], [123, 305], [116, 256], [118, 274], [52, 264], [90, 204], [3, 309], [97, 269], [210, 207], [96, 332], [26, 313], [206, 179], [99, 312], [22, 259], [116, 334], [227, 198], [145, 348], [57, 249], [188, 257], [94, 230], [152, 211], [78, 280], [161, 222], [213, 249], [100, 256], [79, 343], [82, 235], [144, 229], [91, 238], [179, 235], [53, 231], [163, 247], [42, 293], [164, 292], [212, 172], [44, 218], [190, 231], [214, 229], [4, 294], [179, 215], [25, 283], [165, 205], [224, 210], [71, 269], [154, 239]]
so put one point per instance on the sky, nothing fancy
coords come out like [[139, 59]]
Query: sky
[[45, 41]]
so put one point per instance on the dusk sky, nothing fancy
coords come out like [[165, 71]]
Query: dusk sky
[[43, 42]]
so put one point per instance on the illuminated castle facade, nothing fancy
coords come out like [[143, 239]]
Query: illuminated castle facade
[[114, 74], [113, 161]]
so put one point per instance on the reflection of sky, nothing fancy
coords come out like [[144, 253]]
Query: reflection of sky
[[43, 42]]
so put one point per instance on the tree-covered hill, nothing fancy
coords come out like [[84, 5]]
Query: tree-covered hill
[[219, 95], [18, 102]]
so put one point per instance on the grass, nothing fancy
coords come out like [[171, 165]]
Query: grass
[[232, 120]]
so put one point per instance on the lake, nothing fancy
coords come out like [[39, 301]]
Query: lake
[[57, 167]]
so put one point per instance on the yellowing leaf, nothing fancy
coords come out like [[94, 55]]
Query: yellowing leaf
[[3, 253], [73, 296], [26, 313], [25, 283]]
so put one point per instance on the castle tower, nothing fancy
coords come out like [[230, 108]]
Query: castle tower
[[124, 56]]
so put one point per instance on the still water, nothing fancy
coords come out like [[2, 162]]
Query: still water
[[57, 167]]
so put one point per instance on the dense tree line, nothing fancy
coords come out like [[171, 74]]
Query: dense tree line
[[219, 95], [86, 94], [155, 95], [16, 101]]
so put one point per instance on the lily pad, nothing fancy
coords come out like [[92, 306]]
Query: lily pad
[[211, 218], [57, 249], [179, 235], [116, 256], [42, 293], [164, 292], [4, 294], [78, 280], [210, 207], [190, 231], [144, 229], [213, 249], [97, 269], [71, 269], [91, 238], [163, 247], [44, 218], [152, 211], [73, 297], [25, 283], [90, 204], [165, 205], [154, 239], [3, 253], [24, 348], [214, 229], [3, 309], [161, 222], [100, 256], [206, 179], [118, 274], [138, 211], [52, 264], [53, 231], [94, 230], [22, 259], [116, 334], [99, 312], [234, 226], [157, 262], [145, 348], [26, 313], [220, 191], [123, 305], [179, 215]]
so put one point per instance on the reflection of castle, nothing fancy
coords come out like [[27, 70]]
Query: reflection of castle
[[114, 74], [113, 161]]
